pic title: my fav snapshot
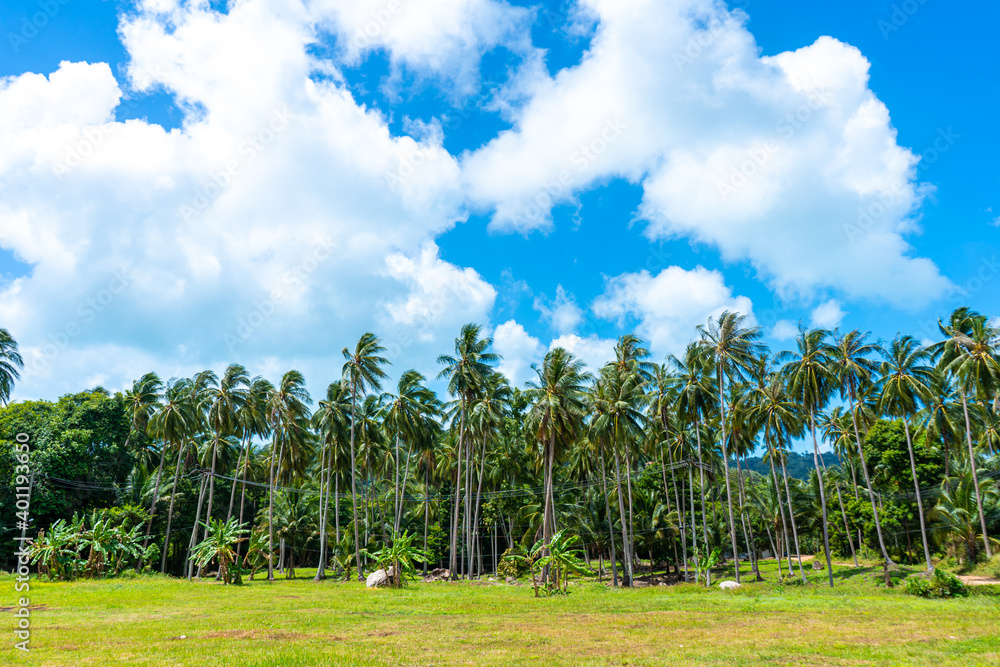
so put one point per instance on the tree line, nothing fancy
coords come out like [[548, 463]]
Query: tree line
[[643, 461]]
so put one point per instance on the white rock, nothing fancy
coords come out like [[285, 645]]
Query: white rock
[[376, 579], [728, 585]]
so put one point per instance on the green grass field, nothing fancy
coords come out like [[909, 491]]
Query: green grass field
[[140, 621]]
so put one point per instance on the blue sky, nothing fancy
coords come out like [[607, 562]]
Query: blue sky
[[397, 168]]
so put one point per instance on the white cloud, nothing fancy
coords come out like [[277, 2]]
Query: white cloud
[[784, 330], [592, 350], [827, 315], [275, 226], [519, 350], [668, 306], [561, 313], [789, 162]]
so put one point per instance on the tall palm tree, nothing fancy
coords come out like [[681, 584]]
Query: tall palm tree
[[969, 354], [254, 423], [226, 399], [811, 382], [851, 364], [618, 401], [409, 414], [733, 345], [11, 364], [905, 381], [466, 373], [556, 417], [362, 372], [486, 418], [287, 413], [780, 420], [176, 420], [331, 421]]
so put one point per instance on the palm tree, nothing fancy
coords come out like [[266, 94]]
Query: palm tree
[[410, 414], [176, 420], [853, 369], [362, 372], [466, 372], [253, 424], [811, 382], [288, 415], [904, 383], [11, 364], [618, 399], [955, 515], [969, 354], [331, 423], [779, 419], [556, 417], [486, 418], [695, 396], [733, 345], [226, 398]]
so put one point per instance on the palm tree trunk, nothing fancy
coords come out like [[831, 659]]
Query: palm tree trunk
[[684, 544], [868, 481], [236, 478], [725, 467], [748, 536], [152, 506], [477, 547], [694, 519], [627, 554], [170, 513], [781, 513], [324, 482], [822, 493], [427, 507], [453, 560], [402, 488], [975, 474], [611, 528], [791, 516], [194, 530], [843, 513], [354, 483], [701, 489], [916, 489]]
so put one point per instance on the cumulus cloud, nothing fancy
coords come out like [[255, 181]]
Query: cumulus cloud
[[667, 307], [592, 349], [789, 162], [827, 315], [519, 350], [561, 312], [784, 330]]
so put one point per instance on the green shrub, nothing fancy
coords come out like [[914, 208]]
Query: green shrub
[[510, 567], [939, 585]]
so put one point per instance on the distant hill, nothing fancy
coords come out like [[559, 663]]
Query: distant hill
[[798, 465]]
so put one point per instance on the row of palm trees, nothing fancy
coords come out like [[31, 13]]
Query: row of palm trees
[[585, 443]]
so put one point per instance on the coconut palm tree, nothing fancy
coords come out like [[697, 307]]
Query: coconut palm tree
[[466, 373], [11, 364], [811, 381], [486, 418], [733, 345], [331, 421], [287, 413], [969, 354], [362, 373], [617, 403], [254, 423], [177, 419], [905, 382], [851, 364], [556, 417], [955, 516]]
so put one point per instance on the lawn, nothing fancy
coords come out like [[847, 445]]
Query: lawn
[[161, 621]]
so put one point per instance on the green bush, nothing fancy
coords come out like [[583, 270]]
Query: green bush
[[509, 567], [940, 585]]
